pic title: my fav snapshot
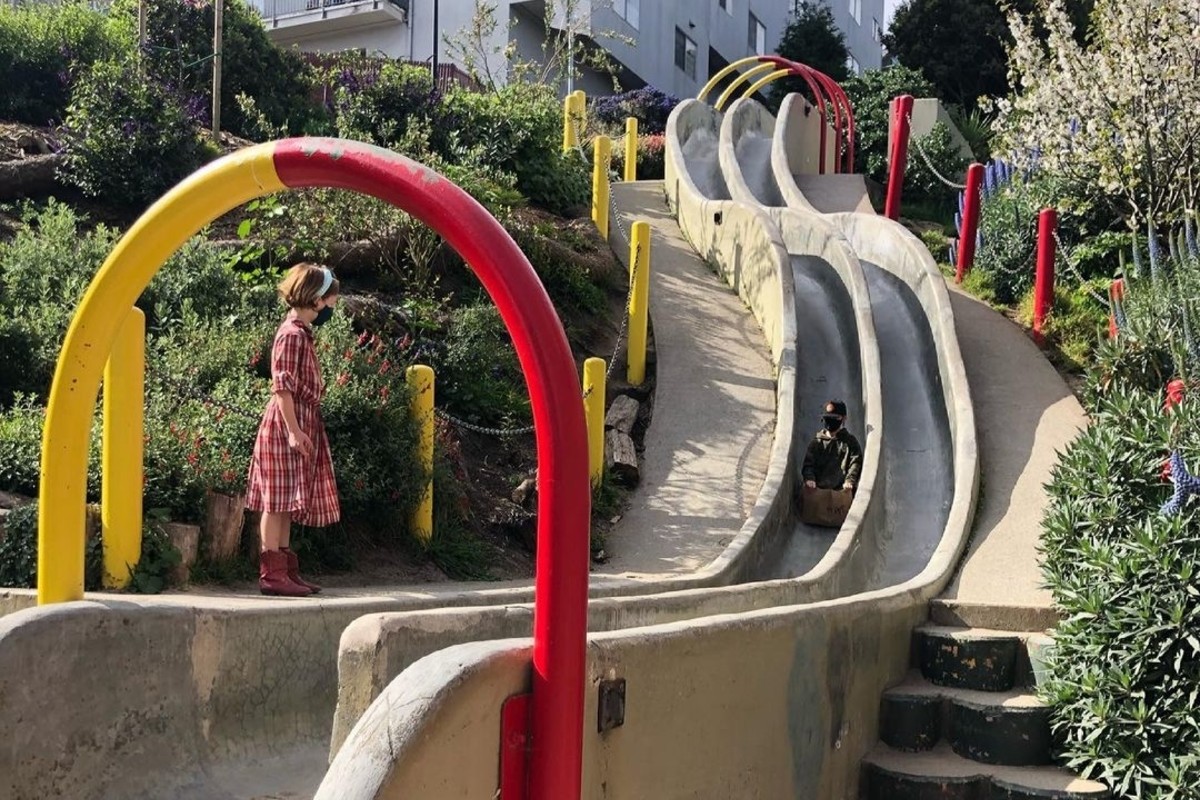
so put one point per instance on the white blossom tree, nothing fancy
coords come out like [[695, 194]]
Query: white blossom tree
[[1120, 114]]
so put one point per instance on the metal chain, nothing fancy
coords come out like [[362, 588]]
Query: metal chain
[[462, 423], [185, 390], [929, 164], [1066, 256]]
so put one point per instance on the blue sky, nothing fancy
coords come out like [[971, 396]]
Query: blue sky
[[889, 8]]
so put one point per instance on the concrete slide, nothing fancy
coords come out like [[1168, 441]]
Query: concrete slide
[[758, 676]]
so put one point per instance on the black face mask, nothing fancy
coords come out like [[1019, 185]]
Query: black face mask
[[831, 423], [323, 316]]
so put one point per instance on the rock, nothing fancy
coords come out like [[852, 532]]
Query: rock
[[525, 494], [224, 519], [622, 414], [186, 539], [620, 457]]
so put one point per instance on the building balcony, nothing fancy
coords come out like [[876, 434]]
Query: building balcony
[[289, 21]]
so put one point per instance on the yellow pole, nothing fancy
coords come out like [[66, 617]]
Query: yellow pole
[[121, 454], [593, 410], [570, 140], [720, 76], [639, 303], [631, 148], [774, 76], [420, 380], [600, 159]]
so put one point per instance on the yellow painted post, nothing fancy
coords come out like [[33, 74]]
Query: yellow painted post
[[593, 409], [121, 453], [600, 159], [570, 140], [420, 380], [631, 148], [639, 302]]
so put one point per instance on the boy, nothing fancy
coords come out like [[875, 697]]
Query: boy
[[834, 457]]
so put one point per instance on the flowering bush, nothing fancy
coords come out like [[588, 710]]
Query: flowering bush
[[128, 139], [651, 157], [650, 106]]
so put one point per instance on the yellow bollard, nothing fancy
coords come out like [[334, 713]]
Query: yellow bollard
[[639, 302], [121, 454], [600, 159], [420, 380], [593, 409], [631, 147], [570, 140]]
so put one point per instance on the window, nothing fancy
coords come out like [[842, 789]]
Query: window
[[685, 53], [856, 10], [757, 41], [726, 6], [877, 30], [628, 10], [853, 65]]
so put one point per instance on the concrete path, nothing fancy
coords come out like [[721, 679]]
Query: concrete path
[[710, 438], [1025, 415]]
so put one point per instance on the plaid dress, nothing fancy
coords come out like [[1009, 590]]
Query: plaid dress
[[281, 479]]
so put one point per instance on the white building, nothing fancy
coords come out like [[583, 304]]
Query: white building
[[675, 45]]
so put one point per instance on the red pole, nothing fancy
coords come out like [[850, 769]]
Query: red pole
[[1043, 287], [1116, 296], [970, 222], [898, 157]]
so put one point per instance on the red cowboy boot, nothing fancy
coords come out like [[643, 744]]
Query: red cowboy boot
[[273, 576], [293, 571]]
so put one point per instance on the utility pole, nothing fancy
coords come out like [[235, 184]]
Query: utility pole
[[436, 33], [218, 30]]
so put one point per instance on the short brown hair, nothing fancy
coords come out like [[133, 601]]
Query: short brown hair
[[301, 287]]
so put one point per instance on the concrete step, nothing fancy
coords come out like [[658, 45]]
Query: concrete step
[[1010, 728], [942, 774], [975, 658], [995, 616]]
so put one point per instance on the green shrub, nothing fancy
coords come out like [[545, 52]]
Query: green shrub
[[179, 54], [1008, 222], [128, 140], [870, 95], [1126, 666], [922, 184], [479, 377], [42, 46], [378, 105], [18, 548], [1077, 322], [44, 271]]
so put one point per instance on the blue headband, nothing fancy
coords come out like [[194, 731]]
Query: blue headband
[[328, 282]]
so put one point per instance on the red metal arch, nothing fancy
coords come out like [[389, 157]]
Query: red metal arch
[[564, 494], [826, 89]]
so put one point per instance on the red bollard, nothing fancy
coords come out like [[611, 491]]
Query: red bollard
[[970, 221], [1043, 287], [1116, 297], [902, 108]]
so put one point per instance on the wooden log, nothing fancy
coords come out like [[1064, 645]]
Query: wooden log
[[224, 519], [32, 176], [620, 456], [186, 539], [622, 414]]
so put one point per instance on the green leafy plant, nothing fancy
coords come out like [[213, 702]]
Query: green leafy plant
[[159, 557], [128, 139]]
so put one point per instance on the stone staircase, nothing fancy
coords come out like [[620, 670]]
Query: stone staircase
[[966, 724]]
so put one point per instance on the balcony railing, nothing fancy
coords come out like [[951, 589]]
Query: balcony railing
[[274, 9]]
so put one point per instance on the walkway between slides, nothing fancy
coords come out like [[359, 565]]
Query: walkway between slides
[[759, 674]]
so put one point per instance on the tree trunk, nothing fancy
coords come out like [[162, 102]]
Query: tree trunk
[[32, 176]]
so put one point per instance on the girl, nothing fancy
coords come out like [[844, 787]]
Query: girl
[[291, 473]]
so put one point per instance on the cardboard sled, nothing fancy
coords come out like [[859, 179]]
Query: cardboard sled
[[825, 508]]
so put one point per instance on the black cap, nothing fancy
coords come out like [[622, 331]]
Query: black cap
[[836, 407]]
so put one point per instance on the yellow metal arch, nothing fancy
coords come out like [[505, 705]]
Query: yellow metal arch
[[720, 76], [774, 76], [163, 229], [745, 76]]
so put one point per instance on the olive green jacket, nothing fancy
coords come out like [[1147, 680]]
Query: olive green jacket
[[833, 459]]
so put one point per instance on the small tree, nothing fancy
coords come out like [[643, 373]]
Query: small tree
[[812, 37], [1121, 114]]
